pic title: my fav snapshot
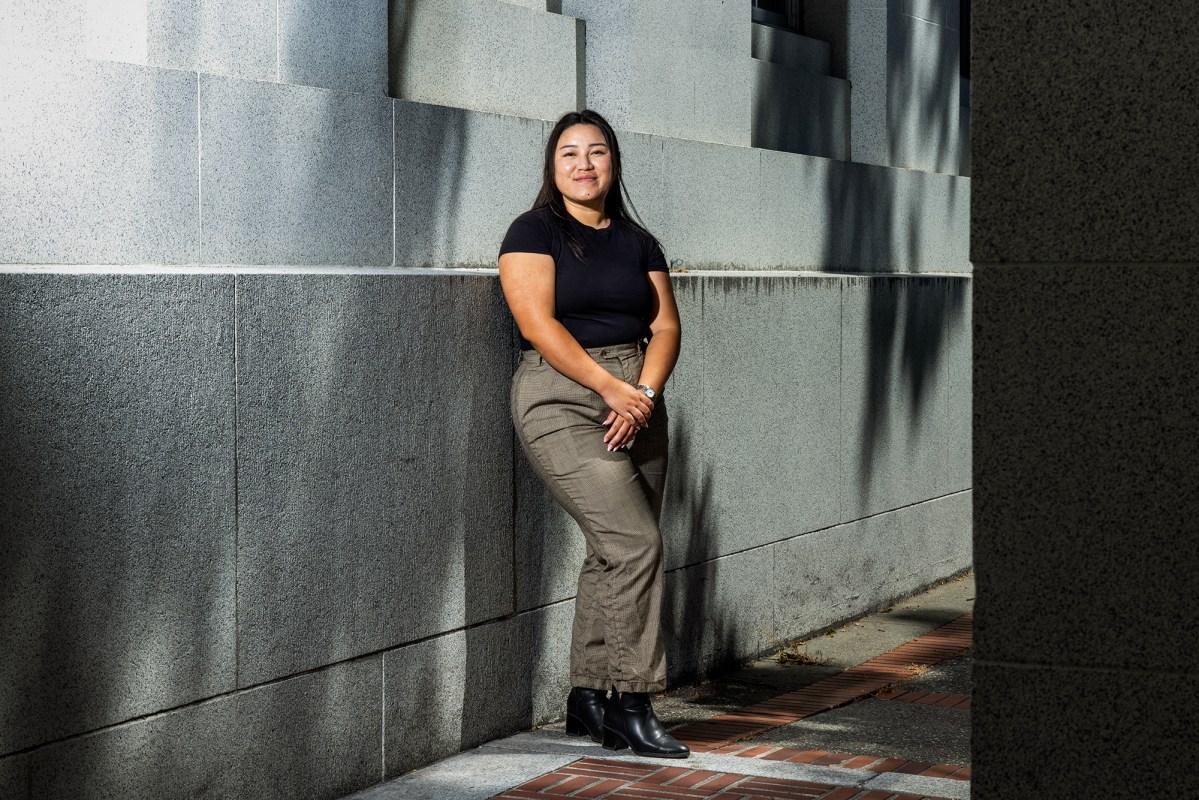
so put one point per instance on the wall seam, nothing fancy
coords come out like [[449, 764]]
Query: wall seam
[[199, 178], [383, 720], [395, 167], [236, 500]]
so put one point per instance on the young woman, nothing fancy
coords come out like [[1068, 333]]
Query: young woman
[[587, 285]]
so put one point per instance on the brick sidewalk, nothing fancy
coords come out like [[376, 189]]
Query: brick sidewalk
[[625, 780]]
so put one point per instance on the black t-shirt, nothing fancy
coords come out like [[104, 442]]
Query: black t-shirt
[[604, 300]]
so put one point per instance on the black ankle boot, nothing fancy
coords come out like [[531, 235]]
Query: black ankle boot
[[629, 720], [585, 712]]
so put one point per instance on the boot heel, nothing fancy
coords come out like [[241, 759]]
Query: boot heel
[[613, 740], [575, 726]]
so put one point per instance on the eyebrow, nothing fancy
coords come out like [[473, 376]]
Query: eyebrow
[[593, 144]]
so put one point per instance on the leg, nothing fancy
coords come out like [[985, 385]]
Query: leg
[[620, 588]]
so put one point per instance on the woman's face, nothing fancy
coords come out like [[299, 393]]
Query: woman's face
[[583, 165]]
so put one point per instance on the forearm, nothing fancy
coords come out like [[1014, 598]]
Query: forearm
[[660, 358], [563, 352]]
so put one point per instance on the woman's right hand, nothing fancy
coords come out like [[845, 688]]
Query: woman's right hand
[[630, 405]]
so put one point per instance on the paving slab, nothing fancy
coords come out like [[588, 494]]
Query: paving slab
[[895, 738]]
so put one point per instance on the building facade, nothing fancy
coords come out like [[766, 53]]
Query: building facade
[[267, 532]]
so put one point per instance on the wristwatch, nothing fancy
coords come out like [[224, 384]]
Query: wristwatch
[[648, 391]]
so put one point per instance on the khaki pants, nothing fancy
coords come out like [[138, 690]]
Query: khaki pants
[[616, 498]]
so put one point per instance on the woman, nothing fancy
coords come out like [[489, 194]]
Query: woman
[[586, 285]]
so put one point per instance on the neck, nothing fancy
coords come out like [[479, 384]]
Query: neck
[[591, 214]]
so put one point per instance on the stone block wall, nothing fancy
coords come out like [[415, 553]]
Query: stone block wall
[[1086, 413], [264, 517]]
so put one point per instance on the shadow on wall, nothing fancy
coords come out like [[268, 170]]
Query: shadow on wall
[[430, 151], [698, 633]]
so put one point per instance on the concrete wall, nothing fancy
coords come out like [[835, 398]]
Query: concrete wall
[[266, 531], [1086, 418]]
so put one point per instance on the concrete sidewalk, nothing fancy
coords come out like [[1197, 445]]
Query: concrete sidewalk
[[885, 714]]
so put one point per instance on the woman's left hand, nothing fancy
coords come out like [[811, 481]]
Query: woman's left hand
[[620, 431]]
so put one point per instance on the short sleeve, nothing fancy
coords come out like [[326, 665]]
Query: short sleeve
[[528, 234], [657, 259]]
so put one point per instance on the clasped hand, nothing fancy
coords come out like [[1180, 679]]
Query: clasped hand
[[630, 412]]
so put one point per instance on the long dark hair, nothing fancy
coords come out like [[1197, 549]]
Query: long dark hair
[[614, 201]]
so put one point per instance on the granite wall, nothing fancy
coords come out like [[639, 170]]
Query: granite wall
[[264, 519], [1086, 411]]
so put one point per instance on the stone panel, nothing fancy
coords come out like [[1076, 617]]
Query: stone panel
[[795, 210], [923, 69], [100, 163], [14, 778], [461, 177], [894, 391], [551, 545], [685, 520], [676, 69], [314, 736], [717, 613], [375, 475], [1098, 724], [1085, 423], [709, 224], [294, 175], [770, 416], [780, 46], [457, 691], [226, 37], [485, 55], [118, 555], [840, 573], [959, 359], [334, 44], [799, 112], [646, 176], [1103, 167]]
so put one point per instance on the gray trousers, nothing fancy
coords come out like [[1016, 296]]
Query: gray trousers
[[616, 498]]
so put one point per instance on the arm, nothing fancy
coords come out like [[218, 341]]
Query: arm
[[528, 283], [660, 356]]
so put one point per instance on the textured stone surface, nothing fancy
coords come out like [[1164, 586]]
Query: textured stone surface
[[317, 736], [959, 359], [780, 46], [368, 406], [799, 112], [549, 541], [228, 37], [335, 45], [717, 613], [609, 70], [891, 220], [294, 175], [857, 32], [708, 225], [1087, 155], [923, 69], [881, 728], [1086, 419], [454, 692], [674, 69], [14, 778], [117, 558], [485, 55], [461, 177], [839, 573], [770, 417], [894, 390], [1099, 724], [116, 182], [797, 217]]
